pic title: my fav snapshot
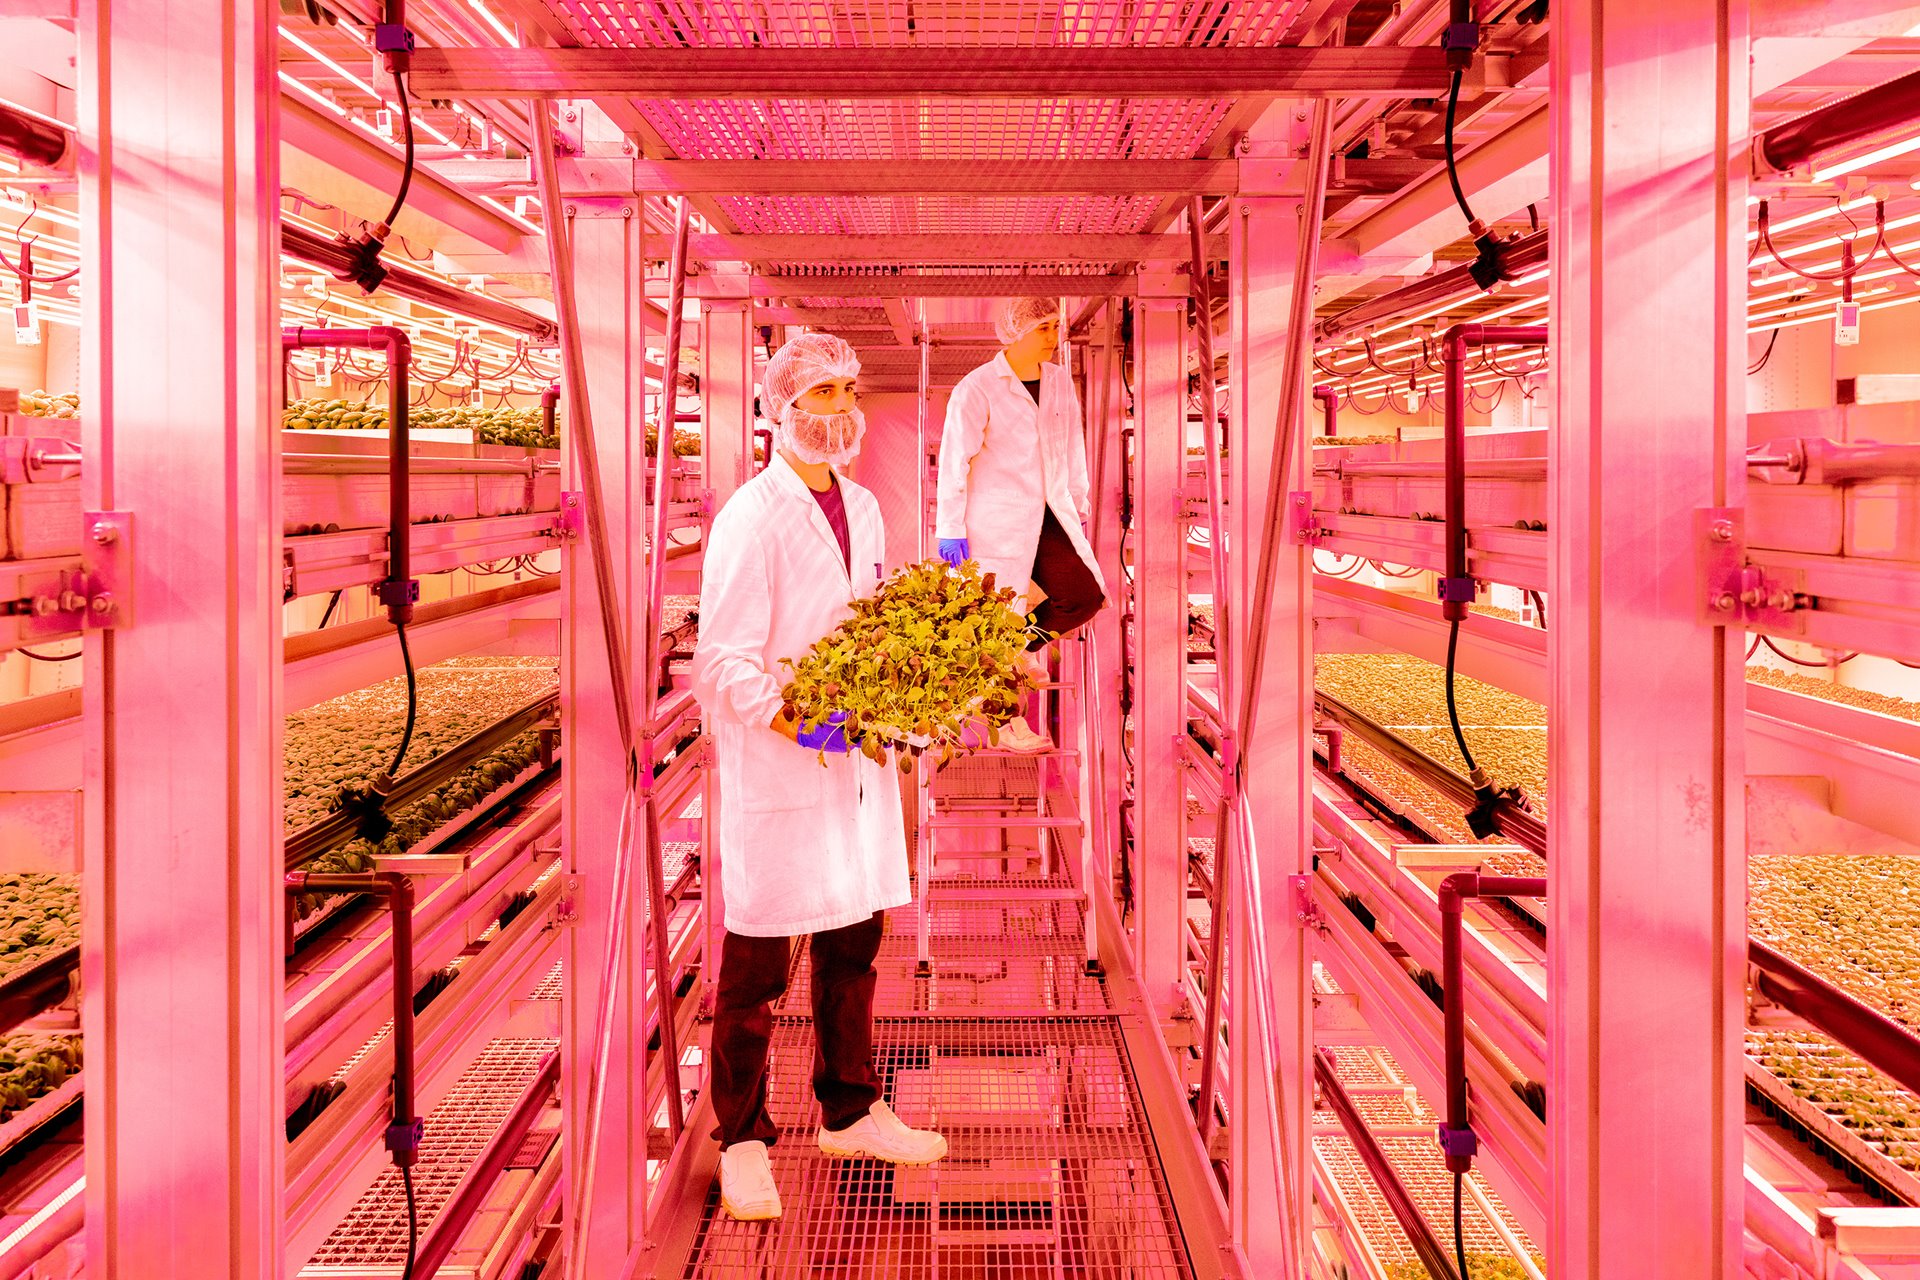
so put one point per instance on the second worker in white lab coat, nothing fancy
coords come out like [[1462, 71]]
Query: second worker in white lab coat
[[1013, 494], [803, 848]]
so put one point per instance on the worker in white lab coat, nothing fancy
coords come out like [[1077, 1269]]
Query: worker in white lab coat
[[1013, 492], [804, 849]]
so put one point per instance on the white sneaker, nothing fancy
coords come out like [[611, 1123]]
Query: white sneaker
[[747, 1192], [1037, 666], [1017, 736], [882, 1135]]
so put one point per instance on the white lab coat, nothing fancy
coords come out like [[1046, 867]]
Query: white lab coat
[[1004, 460], [803, 848]]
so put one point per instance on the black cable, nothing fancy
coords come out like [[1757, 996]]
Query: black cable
[[1453, 715], [406, 173], [1459, 1237], [327, 617], [48, 657], [1765, 355], [1485, 269], [413, 1222], [413, 700], [1453, 170], [1802, 662], [1539, 608]]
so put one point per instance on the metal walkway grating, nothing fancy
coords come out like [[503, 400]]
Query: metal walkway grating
[[1051, 1172], [1012, 954]]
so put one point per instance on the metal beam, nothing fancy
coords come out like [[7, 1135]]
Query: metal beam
[[182, 964], [923, 72], [940, 250], [430, 198], [931, 285], [823, 317], [1647, 852], [959, 177]]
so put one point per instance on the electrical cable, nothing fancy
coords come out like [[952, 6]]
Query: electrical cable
[[1485, 269], [413, 700], [406, 172], [1453, 714], [47, 657], [413, 1223], [327, 617], [1459, 1238], [1755, 648], [1802, 662], [1765, 355], [1539, 608]]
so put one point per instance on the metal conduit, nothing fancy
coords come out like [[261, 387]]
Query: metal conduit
[[1253, 924], [1799, 142], [403, 281], [1224, 657], [580, 423]]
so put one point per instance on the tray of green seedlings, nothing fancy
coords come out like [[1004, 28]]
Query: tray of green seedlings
[[39, 1080], [1853, 919], [523, 428], [1828, 691], [39, 919], [45, 404], [344, 742], [1507, 733]]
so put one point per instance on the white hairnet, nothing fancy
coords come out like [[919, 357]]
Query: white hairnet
[[804, 363], [1019, 317]]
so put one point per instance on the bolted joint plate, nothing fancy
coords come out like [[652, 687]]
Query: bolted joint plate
[[1734, 592], [1306, 529], [98, 596]]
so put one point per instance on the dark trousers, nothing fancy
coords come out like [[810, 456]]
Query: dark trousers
[[753, 974], [1073, 594]]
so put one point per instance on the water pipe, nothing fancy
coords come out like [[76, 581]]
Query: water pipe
[[1457, 587], [338, 258], [32, 137], [1456, 1135], [399, 591], [406, 1128], [1329, 401], [1799, 142]]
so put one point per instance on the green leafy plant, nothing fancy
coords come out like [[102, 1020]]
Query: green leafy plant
[[931, 650]]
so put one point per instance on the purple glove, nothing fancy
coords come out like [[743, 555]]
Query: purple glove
[[955, 551], [828, 735]]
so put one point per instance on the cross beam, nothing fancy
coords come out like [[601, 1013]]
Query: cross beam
[[910, 286], [927, 72], [945, 250], [954, 177]]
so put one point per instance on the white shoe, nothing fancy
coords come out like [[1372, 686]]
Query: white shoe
[[747, 1192], [881, 1135], [1037, 666], [1017, 736]]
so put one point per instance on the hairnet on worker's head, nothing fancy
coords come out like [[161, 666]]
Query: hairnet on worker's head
[[804, 363], [1019, 317]]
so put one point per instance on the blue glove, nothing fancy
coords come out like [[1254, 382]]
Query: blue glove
[[955, 551], [828, 735]]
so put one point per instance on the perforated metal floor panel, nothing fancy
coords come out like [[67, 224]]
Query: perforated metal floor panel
[[1008, 1047], [1050, 1172]]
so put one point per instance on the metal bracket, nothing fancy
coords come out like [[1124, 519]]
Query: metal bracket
[[34, 459], [98, 596], [1733, 591], [1306, 912], [567, 909], [1185, 506], [706, 504], [1306, 530], [570, 521]]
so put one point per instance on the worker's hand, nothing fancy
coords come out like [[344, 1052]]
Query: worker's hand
[[955, 551], [829, 735]]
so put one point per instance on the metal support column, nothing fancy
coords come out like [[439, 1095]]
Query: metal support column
[[179, 165], [1264, 250], [726, 396], [607, 233], [1160, 647], [1105, 409], [1647, 862]]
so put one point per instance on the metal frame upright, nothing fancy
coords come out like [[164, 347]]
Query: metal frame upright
[[1646, 852], [1272, 241], [603, 280], [1158, 643], [179, 181]]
